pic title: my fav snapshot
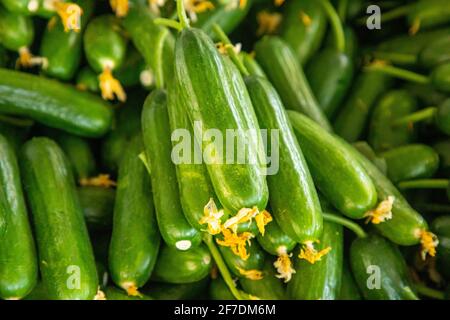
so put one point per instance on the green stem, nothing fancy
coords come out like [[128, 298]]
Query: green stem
[[421, 115], [429, 292], [230, 49], [342, 9], [433, 207], [390, 15], [168, 23], [336, 24], [409, 293], [346, 223], [395, 57], [399, 73], [226, 275], [184, 20], [424, 184], [18, 122]]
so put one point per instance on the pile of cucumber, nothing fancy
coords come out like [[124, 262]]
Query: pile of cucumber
[[343, 192]]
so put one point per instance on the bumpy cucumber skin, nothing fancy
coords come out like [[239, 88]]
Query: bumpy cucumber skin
[[366, 89], [293, 197], [193, 180], [169, 291], [377, 251], [218, 290], [63, 49], [98, 206], [135, 236], [155, 127], [305, 40], [18, 261], [255, 260], [104, 44], [321, 280], [178, 267], [336, 172], [63, 242], [267, 288], [17, 31], [53, 104], [216, 104], [402, 229], [436, 53], [443, 117], [401, 166], [349, 290], [330, 75], [278, 61], [275, 241]]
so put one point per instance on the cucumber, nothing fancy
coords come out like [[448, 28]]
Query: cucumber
[[135, 237], [401, 166], [251, 65], [336, 172], [380, 270], [16, 30], [54, 104], [63, 50], [278, 61], [393, 105], [15, 135], [218, 290], [113, 293], [298, 213], [87, 80], [18, 261], [66, 258], [129, 73], [174, 228], [214, 101], [98, 206], [26, 7], [267, 288], [275, 241], [443, 149], [349, 290], [178, 267], [169, 291], [364, 148], [322, 280], [238, 266], [435, 53]]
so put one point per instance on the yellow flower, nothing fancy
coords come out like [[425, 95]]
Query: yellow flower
[[429, 242], [278, 3], [156, 4], [102, 180], [305, 18], [223, 48], [251, 274], [262, 219], [70, 14], [268, 23], [120, 7], [27, 60], [236, 242], [244, 215], [197, 6], [310, 254], [382, 212], [212, 217], [283, 264], [110, 86]]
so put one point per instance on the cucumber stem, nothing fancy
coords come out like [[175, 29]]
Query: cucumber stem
[[184, 20], [168, 23], [336, 24], [226, 275], [424, 184], [399, 73], [230, 49], [418, 116], [429, 292], [395, 58], [18, 122], [433, 207], [346, 223], [342, 9], [409, 293]]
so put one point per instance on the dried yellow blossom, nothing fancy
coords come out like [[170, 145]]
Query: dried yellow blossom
[[415, 27], [236, 242], [382, 212], [102, 180], [429, 242], [262, 219], [70, 14], [305, 18], [310, 254], [212, 217], [268, 23], [251, 274], [156, 4], [120, 7], [283, 264], [131, 290], [197, 6], [278, 3], [27, 60], [110, 86], [244, 215]]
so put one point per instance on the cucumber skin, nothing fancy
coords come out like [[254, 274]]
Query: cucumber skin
[[98, 206], [336, 172], [297, 211], [156, 132], [61, 233], [321, 280], [135, 237], [255, 260], [377, 251], [17, 31], [18, 260], [219, 107], [53, 104], [275, 239], [278, 61], [179, 267]]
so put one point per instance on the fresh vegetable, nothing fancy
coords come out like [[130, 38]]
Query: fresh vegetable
[[98, 206]]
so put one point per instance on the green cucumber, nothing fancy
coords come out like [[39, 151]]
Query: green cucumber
[[440, 77], [267, 288], [364, 148], [366, 89], [66, 258], [98, 206], [169, 291], [178, 267], [54, 104], [380, 270], [278, 61], [402, 166], [238, 266], [218, 290], [251, 65], [349, 290], [426, 14], [63, 50], [436, 53], [17, 31], [135, 236], [297, 213], [321, 280], [304, 26], [87, 80], [129, 73], [21, 6], [18, 261], [275, 241], [443, 149], [214, 100], [335, 171], [174, 228]]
